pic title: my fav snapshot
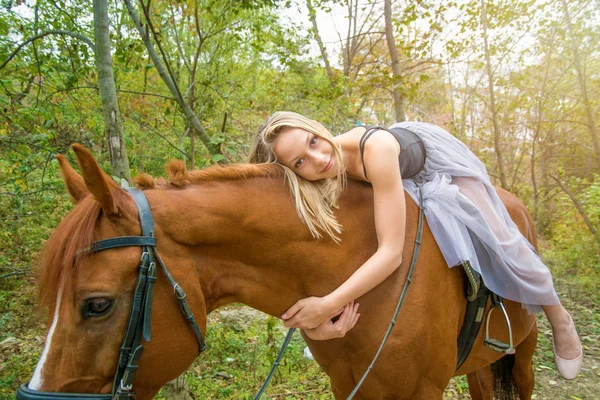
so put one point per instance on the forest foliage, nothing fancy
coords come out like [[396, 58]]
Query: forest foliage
[[234, 63], [517, 81]]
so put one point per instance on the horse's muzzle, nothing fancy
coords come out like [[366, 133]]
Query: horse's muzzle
[[24, 393]]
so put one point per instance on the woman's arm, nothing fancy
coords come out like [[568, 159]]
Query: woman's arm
[[381, 162]]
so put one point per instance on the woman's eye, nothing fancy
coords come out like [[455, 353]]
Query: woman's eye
[[96, 307], [313, 141], [299, 162]]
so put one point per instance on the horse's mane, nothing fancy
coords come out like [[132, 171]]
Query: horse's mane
[[75, 232], [62, 251], [179, 176]]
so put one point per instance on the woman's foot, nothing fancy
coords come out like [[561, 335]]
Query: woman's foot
[[568, 353]]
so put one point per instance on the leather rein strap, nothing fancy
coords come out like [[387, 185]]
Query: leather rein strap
[[411, 270]]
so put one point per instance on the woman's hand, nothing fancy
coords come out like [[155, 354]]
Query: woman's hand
[[310, 312], [331, 330]]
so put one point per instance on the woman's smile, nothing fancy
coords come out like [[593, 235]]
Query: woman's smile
[[329, 164]]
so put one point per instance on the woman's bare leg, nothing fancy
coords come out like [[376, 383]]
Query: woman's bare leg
[[566, 341]]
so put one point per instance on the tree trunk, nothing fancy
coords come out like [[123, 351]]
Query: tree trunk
[[537, 134], [591, 124], [313, 19], [396, 70], [191, 130], [463, 112], [113, 128], [496, 127]]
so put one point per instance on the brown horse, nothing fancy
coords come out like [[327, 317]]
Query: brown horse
[[231, 234]]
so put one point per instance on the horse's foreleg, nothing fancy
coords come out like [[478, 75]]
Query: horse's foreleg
[[336, 394], [481, 384], [427, 391], [523, 369]]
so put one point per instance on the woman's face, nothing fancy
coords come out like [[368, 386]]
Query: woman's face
[[309, 156]]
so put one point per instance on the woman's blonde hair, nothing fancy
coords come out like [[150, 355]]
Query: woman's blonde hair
[[314, 199]]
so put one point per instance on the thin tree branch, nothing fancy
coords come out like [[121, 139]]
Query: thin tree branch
[[149, 128], [579, 207], [146, 94], [43, 34], [172, 85], [12, 274], [64, 12], [177, 41]]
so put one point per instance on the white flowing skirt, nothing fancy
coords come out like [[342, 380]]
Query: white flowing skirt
[[470, 222]]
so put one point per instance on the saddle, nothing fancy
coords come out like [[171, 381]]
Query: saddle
[[477, 299]]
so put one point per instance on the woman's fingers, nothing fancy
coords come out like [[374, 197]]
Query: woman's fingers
[[337, 312], [338, 329], [292, 310], [356, 317], [348, 319]]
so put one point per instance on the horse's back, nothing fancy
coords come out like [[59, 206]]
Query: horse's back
[[519, 214]]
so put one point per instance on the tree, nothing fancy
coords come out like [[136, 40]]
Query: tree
[[167, 75], [396, 70], [490, 74], [113, 126], [581, 81], [312, 15]]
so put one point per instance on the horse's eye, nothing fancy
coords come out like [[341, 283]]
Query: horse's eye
[[96, 307]]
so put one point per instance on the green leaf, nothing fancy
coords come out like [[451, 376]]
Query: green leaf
[[217, 157]]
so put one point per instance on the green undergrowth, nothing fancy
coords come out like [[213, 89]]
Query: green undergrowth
[[243, 343], [21, 334], [242, 346]]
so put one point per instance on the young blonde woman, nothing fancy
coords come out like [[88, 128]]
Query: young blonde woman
[[465, 214]]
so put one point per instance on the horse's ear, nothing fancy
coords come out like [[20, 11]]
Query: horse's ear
[[74, 181], [99, 184]]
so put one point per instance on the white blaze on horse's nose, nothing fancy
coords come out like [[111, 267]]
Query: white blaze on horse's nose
[[36, 381]]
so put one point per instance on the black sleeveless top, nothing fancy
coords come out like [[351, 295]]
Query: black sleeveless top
[[412, 151]]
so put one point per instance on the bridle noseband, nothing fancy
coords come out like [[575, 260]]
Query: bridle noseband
[[138, 325]]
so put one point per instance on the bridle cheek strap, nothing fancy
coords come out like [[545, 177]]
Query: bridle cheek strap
[[140, 315]]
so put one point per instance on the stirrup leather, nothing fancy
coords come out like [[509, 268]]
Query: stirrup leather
[[474, 280], [495, 344]]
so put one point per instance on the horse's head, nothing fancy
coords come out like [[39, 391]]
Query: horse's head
[[89, 295]]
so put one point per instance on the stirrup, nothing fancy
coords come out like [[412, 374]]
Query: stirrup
[[495, 344]]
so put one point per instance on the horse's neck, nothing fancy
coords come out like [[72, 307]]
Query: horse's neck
[[247, 243]]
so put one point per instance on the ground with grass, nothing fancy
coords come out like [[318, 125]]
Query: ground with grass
[[242, 344]]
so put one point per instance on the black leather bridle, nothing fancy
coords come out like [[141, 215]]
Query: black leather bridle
[[138, 325]]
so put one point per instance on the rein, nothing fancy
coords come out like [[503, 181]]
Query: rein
[[411, 270], [138, 325]]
